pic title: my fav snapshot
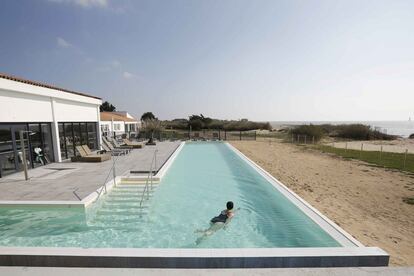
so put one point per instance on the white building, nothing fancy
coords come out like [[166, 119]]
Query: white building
[[57, 120], [119, 123]]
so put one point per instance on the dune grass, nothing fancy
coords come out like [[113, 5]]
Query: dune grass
[[385, 159]]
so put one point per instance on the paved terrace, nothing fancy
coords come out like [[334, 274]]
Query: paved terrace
[[70, 180]]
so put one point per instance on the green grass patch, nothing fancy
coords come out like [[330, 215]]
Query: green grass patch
[[409, 200], [385, 159]]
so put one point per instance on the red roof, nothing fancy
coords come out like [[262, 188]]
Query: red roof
[[13, 78], [108, 116]]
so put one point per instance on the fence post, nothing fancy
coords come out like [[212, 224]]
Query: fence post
[[292, 139], [255, 135], [346, 147], [240, 135], [298, 139], [381, 153], [305, 139], [313, 139], [405, 157], [362, 148], [225, 135]]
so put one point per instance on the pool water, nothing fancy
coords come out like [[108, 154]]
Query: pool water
[[203, 177]]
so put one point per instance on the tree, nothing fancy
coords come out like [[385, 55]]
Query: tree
[[147, 116], [152, 125], [106, 106]]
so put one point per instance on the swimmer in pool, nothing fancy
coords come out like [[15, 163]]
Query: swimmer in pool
[[218, 222]]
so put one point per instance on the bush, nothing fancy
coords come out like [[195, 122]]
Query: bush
[[411, 136], [309, 130], [361, 132]]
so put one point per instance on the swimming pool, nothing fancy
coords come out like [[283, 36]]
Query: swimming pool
[[196, 186], [201, 180]]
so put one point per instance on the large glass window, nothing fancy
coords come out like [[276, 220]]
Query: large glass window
[[69, 140], [17, 129], [92, 138], [76, 136], [7, 164], [62, 143], [84, 134], [36, 148], [47, 144]]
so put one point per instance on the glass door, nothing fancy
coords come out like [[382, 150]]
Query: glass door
[[7, 164], [17, 143]]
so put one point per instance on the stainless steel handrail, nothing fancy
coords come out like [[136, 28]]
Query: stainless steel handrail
[[149, 179], [112, 169]]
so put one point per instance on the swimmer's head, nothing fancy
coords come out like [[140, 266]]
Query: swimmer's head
[[229, 205]]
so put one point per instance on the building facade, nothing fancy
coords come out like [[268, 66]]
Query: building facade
[[51, 120], [118, 124]]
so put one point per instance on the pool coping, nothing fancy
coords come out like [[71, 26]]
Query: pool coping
[[356, 255], [193, 258]]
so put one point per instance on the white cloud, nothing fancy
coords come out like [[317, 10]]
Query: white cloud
[[115, 63], [90, 3], [84, 3], [63, 43], [127, 75]]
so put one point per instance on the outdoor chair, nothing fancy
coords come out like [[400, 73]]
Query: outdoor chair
[[112, 147], [85, 157], [113, 152], [132, 144]]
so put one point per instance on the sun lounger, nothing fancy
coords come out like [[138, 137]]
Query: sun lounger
[[84, 157], [114, 152], [117, 145], [112, 148], [132, 144]]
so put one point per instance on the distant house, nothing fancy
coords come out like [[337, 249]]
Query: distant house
[[118, 124]]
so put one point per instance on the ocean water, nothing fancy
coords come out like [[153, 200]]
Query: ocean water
[[203, 177], [400, 128]]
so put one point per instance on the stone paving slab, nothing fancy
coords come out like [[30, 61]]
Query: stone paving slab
[[348, 271], [69, 181]]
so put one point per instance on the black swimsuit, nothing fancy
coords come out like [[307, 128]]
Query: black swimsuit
[[220, 218]]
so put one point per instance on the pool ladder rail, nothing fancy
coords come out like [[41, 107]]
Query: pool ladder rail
[[150, 179]]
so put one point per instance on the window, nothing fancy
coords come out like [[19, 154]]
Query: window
[[117, 127], [92, 137]]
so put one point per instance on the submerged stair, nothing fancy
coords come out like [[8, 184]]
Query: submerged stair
[[125, 204]]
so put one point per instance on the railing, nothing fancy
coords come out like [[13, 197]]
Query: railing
[[149, 178], [112, 169]]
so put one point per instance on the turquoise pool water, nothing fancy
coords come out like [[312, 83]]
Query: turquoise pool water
[[203, 177]]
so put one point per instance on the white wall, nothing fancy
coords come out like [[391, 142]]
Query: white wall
[[21, 102], [24, 108], [69, 111]]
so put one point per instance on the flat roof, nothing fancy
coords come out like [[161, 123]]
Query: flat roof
[[36, 83]]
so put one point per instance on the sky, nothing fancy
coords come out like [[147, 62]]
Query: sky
[[261, 60]]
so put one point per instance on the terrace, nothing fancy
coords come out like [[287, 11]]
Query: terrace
[[74, 181]]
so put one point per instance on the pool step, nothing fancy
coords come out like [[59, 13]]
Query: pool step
[[134, 186], [139, 179], [133, 195]]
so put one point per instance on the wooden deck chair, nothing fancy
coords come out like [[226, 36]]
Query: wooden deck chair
[[132, 144]]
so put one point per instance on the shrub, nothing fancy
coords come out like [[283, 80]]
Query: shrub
[[361, 132], [309, 130], [411, 136]]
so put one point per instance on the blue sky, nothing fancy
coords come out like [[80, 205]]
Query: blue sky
[[262, 60]]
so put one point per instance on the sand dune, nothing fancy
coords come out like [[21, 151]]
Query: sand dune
[[364, 200]]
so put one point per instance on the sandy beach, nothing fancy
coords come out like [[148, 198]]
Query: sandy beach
[[364, 200]]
